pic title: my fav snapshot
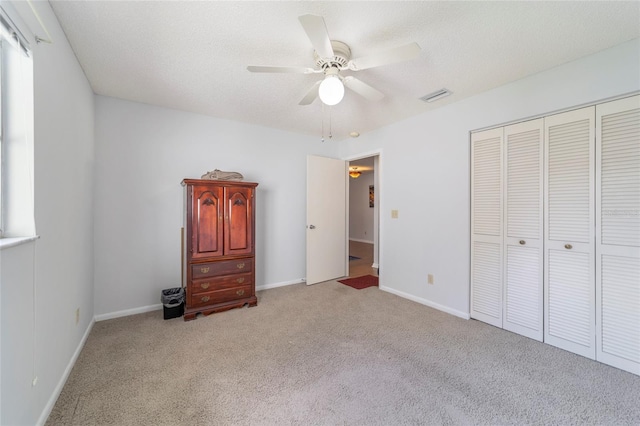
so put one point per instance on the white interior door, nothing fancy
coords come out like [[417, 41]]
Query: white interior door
[[569, 267], [618, 233], [326, 219], [523, 288], [486, 226]]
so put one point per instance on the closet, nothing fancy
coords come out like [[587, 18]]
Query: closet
[[555, 230]]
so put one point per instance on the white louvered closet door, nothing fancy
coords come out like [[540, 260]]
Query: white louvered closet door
[[523, 257], [486, 226], [569, 269], [618, 233]]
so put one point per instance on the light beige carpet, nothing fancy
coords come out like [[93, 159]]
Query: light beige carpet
[[329, 354]]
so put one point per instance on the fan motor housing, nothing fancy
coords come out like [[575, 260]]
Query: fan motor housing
[[342, 55]]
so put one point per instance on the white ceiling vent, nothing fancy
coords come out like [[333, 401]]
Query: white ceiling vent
[[438, 94]]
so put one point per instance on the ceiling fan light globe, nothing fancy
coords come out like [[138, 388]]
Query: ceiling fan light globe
[[331, 90]]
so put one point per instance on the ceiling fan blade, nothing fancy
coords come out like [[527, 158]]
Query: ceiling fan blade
[[311, 94], [399, 54], [316, 30], [362, 88], [297, 70]]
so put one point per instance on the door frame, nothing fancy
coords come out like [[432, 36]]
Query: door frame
[[378, 220]]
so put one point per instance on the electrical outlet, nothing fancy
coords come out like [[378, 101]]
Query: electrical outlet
[[394, 214], [77, 316], [430, 278]]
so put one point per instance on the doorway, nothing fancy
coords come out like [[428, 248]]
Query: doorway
[[363, 216]]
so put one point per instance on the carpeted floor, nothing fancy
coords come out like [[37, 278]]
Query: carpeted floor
[[326, 355]]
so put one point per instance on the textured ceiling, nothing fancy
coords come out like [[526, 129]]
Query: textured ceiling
[[193, 56]]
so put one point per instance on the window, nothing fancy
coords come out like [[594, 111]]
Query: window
[[16, 132]]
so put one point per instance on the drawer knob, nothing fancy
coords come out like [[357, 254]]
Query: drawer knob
[[204, 285], [205, 298], [204, 270], [240, 292], [240, 265], [522, 242], [240, 280], [568, 246]]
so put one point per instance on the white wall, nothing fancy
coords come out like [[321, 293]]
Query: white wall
[[360, 214], [44, 282], [431, 152], [143, 153]]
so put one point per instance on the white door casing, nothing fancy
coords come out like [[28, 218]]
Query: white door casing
[[326, 219]]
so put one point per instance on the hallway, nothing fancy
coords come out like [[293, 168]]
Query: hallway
[[361, 266]]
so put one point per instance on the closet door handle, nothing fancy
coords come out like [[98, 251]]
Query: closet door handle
[[522, 242], [568, 246]]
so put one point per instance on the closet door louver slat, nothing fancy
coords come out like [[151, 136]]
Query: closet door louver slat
[[618, 234]]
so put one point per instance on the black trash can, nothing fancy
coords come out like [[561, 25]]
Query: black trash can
[[173, 302]]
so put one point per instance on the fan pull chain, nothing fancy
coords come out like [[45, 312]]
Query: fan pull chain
[[322, 115], [330, 128]]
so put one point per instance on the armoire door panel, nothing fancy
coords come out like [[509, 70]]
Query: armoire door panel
[[569, 287], [207, 233], [238, 223], [618, 233]]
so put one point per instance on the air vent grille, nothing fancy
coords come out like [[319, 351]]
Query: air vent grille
[[434, 96]]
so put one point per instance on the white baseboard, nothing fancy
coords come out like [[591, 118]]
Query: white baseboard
[[56, 392], [426, 302], [358, 240], [150, 308], [281, 284], [127, 312]]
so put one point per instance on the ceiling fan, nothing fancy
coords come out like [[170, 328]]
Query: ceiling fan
[[332, 57]]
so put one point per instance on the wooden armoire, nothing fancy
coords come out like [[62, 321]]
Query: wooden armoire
[[219, 245]]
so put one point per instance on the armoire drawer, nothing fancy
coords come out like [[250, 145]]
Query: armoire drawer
[[220, 296], [225, 267], [203, 285]]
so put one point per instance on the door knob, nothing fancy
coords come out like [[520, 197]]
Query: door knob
[[312, 227]]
